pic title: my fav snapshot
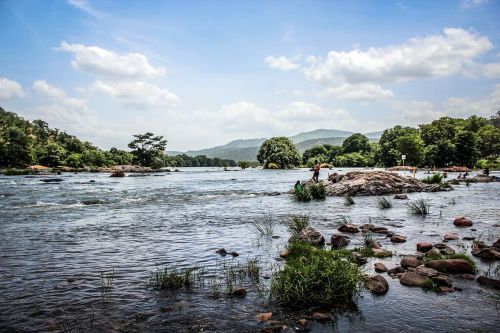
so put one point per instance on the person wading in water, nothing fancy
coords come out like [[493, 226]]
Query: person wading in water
[[316, 169]]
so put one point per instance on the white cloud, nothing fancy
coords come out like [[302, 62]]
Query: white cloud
[[9, 89], [58, 95], [359, 92], [137, 94], [472, 3], [281, 63], [101, 62], [487, 70], [420, 57], [85, 6]]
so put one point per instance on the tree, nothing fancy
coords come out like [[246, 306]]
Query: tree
[[313, 152], [389, 154], [413, 147], [442, 129], [243, 164], [488, 141], [118, 157], [147, 147], [495, 120], [280, 151], [356, 143], [15, 150], [74, 160], [465, 148], [474, 123], [94, 157], [439, 154], [51, 155], [351, 160]]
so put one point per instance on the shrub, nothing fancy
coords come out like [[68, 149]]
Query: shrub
[[436, 178], [419, 207], [318, 191], [315, 277], [295, 224], [304, 194], [17, 172], [383, 203]]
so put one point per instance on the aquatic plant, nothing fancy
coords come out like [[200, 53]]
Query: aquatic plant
[[463, 256], [436, 178], [318, 191], [430, 285], [75, 323], [296, 223], [303, 195], [173, 278], [107, 285], [264, 225], [348, 200], [343, 219], [314, 276], [383, 203], [419, 207]]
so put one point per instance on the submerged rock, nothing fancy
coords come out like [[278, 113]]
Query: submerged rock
[[424, 247], [450, 236], [398, 239], [454, 266], [222, 252], [489, 253], [442, 280], [376, 284], [462, 222], [348, 228], [92, 202], [311, 236], [377, 183], [396, 270], [489, 282]]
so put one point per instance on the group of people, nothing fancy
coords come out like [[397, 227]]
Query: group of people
[[464, 176]]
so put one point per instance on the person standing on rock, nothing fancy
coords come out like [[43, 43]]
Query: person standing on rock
[[316, 169]]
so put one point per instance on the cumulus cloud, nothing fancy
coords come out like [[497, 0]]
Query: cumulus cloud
[[85, 6], [137, 94], [281, 63], [58, 95], [472, 3], [360, 92], [10, 88], [105, 63]]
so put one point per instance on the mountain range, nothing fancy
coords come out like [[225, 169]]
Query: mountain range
[[246, 149]]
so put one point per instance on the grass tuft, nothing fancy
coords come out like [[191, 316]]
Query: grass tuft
[[436, 178], [318, 191], [430, 285], [348, 200], [173, 278], [296, 223], [419, 207], [264, 225], [383, 203], [303, 195]]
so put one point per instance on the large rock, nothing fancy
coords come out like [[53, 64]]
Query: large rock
[[410, 261], [398, 239], [377, 284], [442, 280], [426, 271], [339, 241], [311, 236], [412, 279], [380, 267], [447, 251], [396, 270], [377, 183], [450, 236], [462, 222], [348, 228], [453, 266], [489, 253], [424, 247], [381, 253], [489, 282]]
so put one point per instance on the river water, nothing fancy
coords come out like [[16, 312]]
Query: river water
[[54, 250]]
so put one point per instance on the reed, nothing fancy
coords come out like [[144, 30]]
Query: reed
[[383, 203], [419, 207]]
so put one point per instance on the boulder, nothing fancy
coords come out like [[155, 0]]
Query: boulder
[[284, 253], [433, 252], [381, 253], [240, 292], [424, 247], [450, 236], [489, 253], [311, 236], [453, 266], [401, 196], [412, 279], [348, 228], [426, 271], [398, 239], [489, 282], [462, 222], [447, 251], [378, 229], [377, 284], [442, 280], [410, 261], [339, 241], [380, 267], [440, 246], [396, 270]]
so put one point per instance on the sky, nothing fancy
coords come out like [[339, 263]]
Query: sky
[[203, 73]]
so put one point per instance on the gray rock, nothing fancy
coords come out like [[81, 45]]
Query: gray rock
[[376, 284]]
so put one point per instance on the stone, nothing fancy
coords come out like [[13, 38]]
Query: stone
[[380, 267], [412, 279], [489, 253], [468, 238], [311, 236], [468, 276], [374, 245], [348, 228], [424, 247], [381, 253], [118, 173], [426, 271], [448, 251], [396, 270], [91, 202], [235, 254], [476, 245], [442, 280], [367, 226], [284, 253], [240, 292], [462, 222], [338, 241], [445, 289], [440, 246], [453, 266], [410, 261], [489, 282], [376, 284], [433, 252], [378, 229], [401, 196], [450, 236], [359, 258], [222, 252], [497, 244], [398, 239], [263, 316], [320, 316]]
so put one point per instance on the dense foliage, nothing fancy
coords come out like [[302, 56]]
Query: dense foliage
[[198, 161], [279, 151]]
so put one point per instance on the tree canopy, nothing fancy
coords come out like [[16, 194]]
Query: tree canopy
[[280, 151]]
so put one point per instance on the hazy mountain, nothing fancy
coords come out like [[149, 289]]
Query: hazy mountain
[[246, 149]]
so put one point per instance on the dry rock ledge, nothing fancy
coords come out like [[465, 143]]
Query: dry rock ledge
[[375, 183]]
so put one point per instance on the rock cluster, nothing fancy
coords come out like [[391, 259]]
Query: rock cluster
[[481, 250], [376, 183]]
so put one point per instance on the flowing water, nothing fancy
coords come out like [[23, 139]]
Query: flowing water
[[56, 252]]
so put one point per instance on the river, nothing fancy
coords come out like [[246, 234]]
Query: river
[[54, 249]]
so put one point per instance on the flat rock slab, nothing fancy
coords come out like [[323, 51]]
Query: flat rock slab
[[412, 279], [453, 266], [426, 271]]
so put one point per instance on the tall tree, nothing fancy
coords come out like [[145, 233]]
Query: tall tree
[[413, 147], [465, 148], [280, 151], [356, 143], [147, 147], [389, 154], [488, 141]]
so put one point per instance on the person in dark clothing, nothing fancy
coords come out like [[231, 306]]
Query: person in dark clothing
[[298, 187], [316, 169]]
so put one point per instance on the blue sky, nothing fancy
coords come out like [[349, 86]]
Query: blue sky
[[203, 73]]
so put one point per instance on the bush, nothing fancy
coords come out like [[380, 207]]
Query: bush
[[436, 178], [16, 172], [314, 277], [318, 191], [303, 195]]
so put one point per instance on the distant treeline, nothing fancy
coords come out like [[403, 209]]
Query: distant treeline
[[198, 161]]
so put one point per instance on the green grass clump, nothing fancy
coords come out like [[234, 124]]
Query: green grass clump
[[348, 200], [315, 277], [318, 191], [264, 225], [436, 178], [173, 278], [419, 207], [461, 256], [303, 195], [383, 203], [431, 257], [295, 224], [430, 285], [16, 172]]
